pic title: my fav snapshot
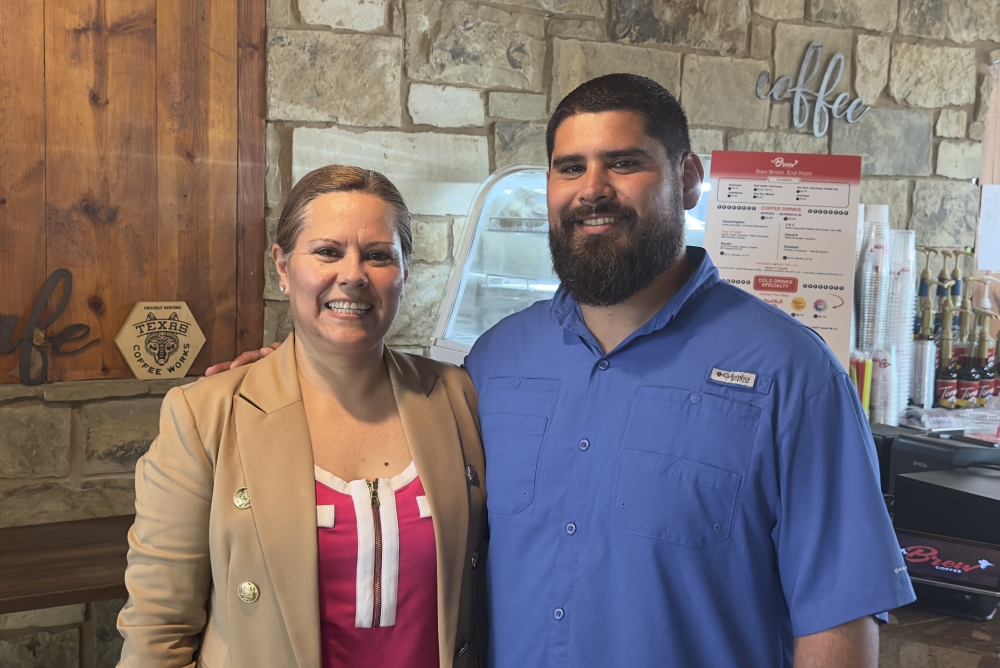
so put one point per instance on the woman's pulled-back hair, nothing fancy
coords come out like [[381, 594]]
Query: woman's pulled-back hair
[[341, 179]]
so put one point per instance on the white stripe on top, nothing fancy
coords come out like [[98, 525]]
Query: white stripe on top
[[361, 496]]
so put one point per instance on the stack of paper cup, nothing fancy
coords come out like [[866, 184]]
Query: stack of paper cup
[[871, 291], [858, 243], [885, 386], [902, 306]]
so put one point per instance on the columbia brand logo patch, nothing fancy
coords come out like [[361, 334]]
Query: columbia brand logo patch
[[741, 378]]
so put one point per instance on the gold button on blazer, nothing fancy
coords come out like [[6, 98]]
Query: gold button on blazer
[[222, 561]]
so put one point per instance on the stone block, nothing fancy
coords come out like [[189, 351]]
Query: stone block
[[877, 15], [117, 433], [430, 240], [894, 192], [42, 650], [277, 322], [361, 15], [951, 123], [923, 18], [272, 281], [456, 42], [959, 159], [973, 20], [109, 641], [272, 167], [61, 616], [790, 44], [63, 501], [871, 55], [977, 130], [712, 25], [780, 10], [418, 311], [890, 142], [932, 76], [781, 116], [778, 142], [596, 8], [574, 62], [438, 174], [10, 391], [761, 42], [518, 106], [34, 441], [577, 29], [705, 141], [445, 106], [161, 386], [279, 13], [519, 144], [88, 390], [944, 213], [344, 78], [709, 80], [985, 93]]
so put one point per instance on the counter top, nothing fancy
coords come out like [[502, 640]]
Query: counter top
[[916, 638]]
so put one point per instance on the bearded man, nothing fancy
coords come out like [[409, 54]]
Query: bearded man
[[678, 474]]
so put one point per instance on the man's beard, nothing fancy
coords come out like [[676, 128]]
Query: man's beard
[[607, 269]]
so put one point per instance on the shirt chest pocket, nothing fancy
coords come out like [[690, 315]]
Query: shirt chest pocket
[[681, 465], [514, 414]]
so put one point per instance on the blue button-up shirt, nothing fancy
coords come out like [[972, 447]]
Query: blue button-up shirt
[[697, 497]]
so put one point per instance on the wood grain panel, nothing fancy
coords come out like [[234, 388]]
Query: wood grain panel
[[22, 163], [250, 212], [101, 167], [196, 137]]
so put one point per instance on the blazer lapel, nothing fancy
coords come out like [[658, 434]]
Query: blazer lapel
[[432, 436], [276, 455]]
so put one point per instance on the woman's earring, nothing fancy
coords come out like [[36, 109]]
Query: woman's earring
[[281, 288]]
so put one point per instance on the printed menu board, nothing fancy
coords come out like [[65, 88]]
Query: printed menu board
[[783, 226]]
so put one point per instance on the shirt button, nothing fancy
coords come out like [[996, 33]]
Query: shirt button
[[558, 613], [517, 382], [571, 528], [584, 444], [695, 398], [603, 364]]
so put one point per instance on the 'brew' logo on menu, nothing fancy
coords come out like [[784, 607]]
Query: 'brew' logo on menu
[[780, 162]]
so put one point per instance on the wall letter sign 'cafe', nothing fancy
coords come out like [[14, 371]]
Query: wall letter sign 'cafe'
[[841, 107]]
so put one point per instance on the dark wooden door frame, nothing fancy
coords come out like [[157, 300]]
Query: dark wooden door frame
[[251, 64]]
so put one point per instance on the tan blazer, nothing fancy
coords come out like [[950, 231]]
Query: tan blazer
[[191, 547]]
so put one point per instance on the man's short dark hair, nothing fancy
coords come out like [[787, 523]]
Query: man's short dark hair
[[665, 120]]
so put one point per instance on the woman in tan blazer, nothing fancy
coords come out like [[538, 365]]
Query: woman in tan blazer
[[224, 561]]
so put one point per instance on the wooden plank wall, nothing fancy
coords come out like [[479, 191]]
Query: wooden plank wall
[[251, 245], [22, 163], [100, 156], [118, 161], [196, 128]]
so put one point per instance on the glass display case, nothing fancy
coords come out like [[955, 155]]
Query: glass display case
[[502, 262]]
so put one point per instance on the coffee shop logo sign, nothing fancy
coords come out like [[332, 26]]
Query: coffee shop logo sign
[[160, 340], [842, 106]]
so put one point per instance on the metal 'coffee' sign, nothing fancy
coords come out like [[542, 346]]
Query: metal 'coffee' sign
[[160, 340], [35, 346], [841, 107]]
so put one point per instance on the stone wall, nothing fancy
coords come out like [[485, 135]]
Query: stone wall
[[437, 94], [68, 450], [71, 636]]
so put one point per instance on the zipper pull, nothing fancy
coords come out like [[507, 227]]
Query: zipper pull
[[373, 490]]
